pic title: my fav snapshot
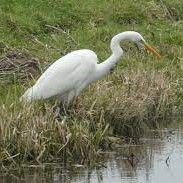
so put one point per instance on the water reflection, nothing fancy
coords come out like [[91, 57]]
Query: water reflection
[[156, 158]]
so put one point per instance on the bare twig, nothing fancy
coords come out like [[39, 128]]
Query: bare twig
[[44, 45], [61, 30]]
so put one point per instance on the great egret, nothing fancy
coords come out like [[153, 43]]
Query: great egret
[[70, 74]]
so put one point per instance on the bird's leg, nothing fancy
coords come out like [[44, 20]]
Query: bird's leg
[[75, 104], [63, 108], [59, 109], [56, 110], [57, 113]]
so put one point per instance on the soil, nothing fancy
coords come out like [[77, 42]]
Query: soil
[[21, 66]]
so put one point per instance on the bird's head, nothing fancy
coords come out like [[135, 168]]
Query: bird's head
[[140, 42]]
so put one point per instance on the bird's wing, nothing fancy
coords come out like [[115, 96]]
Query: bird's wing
[[65, 74]]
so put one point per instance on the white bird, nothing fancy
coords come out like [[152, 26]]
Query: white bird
[[70, 74]]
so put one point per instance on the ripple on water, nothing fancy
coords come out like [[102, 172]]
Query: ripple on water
[[157, 158]]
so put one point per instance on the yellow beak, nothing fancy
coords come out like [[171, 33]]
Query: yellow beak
[[151, 49]]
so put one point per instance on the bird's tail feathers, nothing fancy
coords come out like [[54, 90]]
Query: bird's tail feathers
[[28, 95]]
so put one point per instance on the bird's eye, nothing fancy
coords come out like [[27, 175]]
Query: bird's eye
[[141, 41]]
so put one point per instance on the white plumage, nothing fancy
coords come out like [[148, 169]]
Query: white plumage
[[69, 75], [65, 78]]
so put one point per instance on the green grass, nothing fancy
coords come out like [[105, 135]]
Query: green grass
[[141, 93]]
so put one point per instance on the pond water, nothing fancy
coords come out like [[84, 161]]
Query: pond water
[[157, 158]]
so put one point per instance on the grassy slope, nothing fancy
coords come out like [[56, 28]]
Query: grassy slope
[[141, 90]]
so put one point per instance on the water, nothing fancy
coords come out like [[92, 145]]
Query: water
[[156, 158]]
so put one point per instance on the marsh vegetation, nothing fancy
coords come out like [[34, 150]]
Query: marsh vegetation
[[140, 94]]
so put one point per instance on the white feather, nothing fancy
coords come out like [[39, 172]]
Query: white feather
[[69, 75]]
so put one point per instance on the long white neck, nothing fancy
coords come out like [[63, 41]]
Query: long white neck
[[104, 67]]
